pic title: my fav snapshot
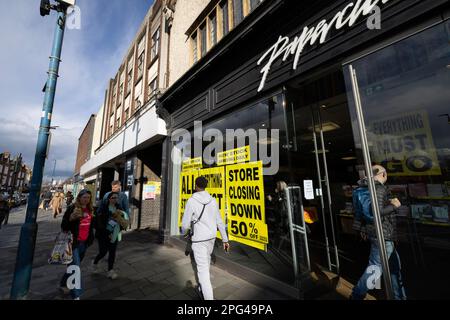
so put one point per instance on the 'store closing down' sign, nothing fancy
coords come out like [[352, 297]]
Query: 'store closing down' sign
[[245, 204]]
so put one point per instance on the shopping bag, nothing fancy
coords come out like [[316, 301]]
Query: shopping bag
[[62, 251], [41, 206]]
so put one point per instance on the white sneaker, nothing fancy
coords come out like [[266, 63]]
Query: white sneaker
[[77, 298], [112, 274]]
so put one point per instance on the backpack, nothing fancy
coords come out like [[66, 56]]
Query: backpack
[[362, 204]]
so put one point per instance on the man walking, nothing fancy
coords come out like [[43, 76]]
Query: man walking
[[363, 213], [47, 199], [202, 213], [4, 210], [116, 187]]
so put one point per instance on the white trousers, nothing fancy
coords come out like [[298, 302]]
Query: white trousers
[[202, 254]]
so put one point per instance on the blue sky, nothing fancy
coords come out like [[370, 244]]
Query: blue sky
[[90, 57]]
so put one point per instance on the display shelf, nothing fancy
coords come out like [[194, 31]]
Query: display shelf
[[431, 198], [346, 215], [431, 223]]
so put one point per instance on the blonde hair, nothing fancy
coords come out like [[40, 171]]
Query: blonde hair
[[78, 200]]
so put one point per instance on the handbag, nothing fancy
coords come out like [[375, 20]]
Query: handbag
[[62, 250], [190, 233]]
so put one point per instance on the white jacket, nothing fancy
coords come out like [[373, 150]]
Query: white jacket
[[211, 221]]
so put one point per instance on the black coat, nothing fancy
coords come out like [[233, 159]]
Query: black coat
[[102, 216], [74, 227], [387, 211]]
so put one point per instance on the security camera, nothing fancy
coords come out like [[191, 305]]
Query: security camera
[[45, 7], [67, 2]]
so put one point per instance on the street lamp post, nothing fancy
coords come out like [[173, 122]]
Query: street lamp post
[[53, 173], [25, 253]]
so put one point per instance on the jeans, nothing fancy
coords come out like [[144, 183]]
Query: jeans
[[105, 246], [78, 255], [374, 271]]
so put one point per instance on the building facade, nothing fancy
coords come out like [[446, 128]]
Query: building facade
[[128, 139], [14, 175], [320, 92]]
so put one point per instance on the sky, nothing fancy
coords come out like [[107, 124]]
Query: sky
[[90, 57]]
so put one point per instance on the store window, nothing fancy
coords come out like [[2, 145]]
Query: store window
[[405, 98], [274, 258]]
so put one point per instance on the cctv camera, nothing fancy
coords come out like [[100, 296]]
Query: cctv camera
[[67, 2], [45, 7]]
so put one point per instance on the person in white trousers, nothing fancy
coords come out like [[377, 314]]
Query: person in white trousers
[[203, 211]]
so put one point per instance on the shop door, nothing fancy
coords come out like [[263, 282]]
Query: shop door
[[399, 103], [313, 140], [323, 190]]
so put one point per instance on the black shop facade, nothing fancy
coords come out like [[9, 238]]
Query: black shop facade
[[306, 83]]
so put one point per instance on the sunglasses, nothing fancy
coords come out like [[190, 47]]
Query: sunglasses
[[113, 198]]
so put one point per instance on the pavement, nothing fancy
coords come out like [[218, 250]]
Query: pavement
[[147, 270]]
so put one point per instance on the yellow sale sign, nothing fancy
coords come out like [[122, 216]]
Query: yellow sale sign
[[245, 204], [187, 187], [404, 145]]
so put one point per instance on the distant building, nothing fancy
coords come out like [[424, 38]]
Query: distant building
[[14, 175]]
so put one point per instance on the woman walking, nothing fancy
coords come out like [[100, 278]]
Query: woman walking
[[110, 221], [56, 203], [78, 220]]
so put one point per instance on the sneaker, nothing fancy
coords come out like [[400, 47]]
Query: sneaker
[[77, 298], [112, 274], [198, 290]]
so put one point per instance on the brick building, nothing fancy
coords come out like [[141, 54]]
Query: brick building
[[14, 175], [84, 151]]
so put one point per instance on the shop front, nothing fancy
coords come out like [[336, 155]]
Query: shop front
[[284, 149]]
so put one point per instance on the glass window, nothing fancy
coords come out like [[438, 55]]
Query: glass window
[[140, 66], [155, 44], [152, 87], [120, 93], [254, 4], [194, 47], [129, 80], [213, 29], [238, 11], [225, 17], [405, 101], [114, 99], [203, 42]]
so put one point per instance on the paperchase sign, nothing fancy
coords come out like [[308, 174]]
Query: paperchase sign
[[285, 47]]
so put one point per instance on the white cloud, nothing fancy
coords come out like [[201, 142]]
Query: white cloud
[[90, 57]]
